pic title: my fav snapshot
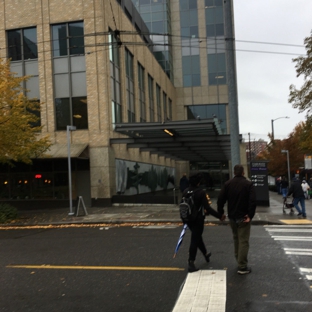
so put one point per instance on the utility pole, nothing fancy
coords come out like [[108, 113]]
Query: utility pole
[[231, 82]]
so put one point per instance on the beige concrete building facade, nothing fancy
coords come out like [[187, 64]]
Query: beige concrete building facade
[[91, 75]]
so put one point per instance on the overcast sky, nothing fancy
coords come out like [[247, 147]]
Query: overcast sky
[[264, 78]]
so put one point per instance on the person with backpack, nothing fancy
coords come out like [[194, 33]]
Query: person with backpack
[[196, 199]]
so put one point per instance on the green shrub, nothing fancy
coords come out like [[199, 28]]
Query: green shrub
[[7, 213]]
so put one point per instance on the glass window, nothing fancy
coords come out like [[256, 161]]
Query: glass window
[[30, 43], [22, 44], [76, 38], [59, 41], [193, 18], [68, 39], [194, 31], [192, 4], [184, 4], [62, 111], [158, 27], [80, 112], [158, 102]]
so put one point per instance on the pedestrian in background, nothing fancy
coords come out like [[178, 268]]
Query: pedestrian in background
[[310, 190], [197, 226], [305, 187], [239, 193], [284, 187], [298, 195], [184, 183]]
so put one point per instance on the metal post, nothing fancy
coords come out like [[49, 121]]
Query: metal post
[[288, 165], [68, 129], [272, 124], [231, 81]]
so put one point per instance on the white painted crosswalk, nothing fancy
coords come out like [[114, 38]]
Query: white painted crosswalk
[[294, 239]]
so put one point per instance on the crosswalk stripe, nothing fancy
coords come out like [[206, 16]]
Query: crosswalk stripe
[[298, 249], [293, 238], [204, 290], [290, 230], [299, 253], [306, 270], [309, 277]]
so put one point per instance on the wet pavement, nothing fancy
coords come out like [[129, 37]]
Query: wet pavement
[[151, 213]]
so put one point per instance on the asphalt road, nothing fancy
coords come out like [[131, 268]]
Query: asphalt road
[[132, 269]]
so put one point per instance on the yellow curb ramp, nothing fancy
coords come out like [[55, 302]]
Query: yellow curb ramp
[[299, 221]]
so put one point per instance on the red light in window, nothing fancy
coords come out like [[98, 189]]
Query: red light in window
[[38, 176]]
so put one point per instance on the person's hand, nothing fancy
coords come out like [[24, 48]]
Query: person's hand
[[246, 219], [223, 217]]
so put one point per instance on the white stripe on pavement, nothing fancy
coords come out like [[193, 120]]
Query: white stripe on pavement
[[299, 253], [204, 291], [290, 230], [288, 226], [293, 238], [309, 277], [298, 249], [306, 270]]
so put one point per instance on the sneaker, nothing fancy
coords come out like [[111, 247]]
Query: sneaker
[[191, 267], [243, 271], [304, 217], [299, 214], [207, 256]]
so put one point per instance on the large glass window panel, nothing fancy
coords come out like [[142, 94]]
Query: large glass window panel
[[62, 111], [184, 4], [210, 30], [78, 63], [21, 186], [185, 19], [193, 18], [14, 45], [30, 43], [59, 41], [210, 16], [158, 27], [186, 65], [194, 31], [76, 38], [209, 3], [60, 65], [79, 86], [42, 184], [32, 85], [219, 3], [192, 4], [196, 80], [219, 29], [219, 15], [185, 32], [158, 16], [195, 64], [61, 84], [80, 112], [187, 80], [31, 68]]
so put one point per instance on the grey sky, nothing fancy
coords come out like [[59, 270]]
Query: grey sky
[[264, 78]]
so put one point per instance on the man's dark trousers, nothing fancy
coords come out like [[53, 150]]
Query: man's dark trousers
[[241, 234]]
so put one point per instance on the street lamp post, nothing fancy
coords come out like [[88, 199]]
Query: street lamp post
[[288, 167], [272, 124], [70, 128]]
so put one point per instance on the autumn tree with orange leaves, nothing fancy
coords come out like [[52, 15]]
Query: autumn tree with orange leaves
[[277, 165], [20, 138]]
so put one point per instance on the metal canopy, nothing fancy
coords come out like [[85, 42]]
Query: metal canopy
[[190, 140]]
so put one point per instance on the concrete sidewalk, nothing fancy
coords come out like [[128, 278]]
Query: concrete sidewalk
[[149, 213]]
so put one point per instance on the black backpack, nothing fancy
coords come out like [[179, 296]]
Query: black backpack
[[188, 210]]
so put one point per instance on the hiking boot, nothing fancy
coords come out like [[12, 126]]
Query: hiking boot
[[207, 256], [191, 267], [243, 271]]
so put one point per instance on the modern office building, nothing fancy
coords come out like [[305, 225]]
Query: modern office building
[[132, 93]]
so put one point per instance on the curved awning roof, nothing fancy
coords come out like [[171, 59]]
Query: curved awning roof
[[191, 140]]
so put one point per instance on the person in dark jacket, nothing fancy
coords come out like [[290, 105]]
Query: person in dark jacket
[[297, 192], [239, 193], [197, 226], [184, 183]]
